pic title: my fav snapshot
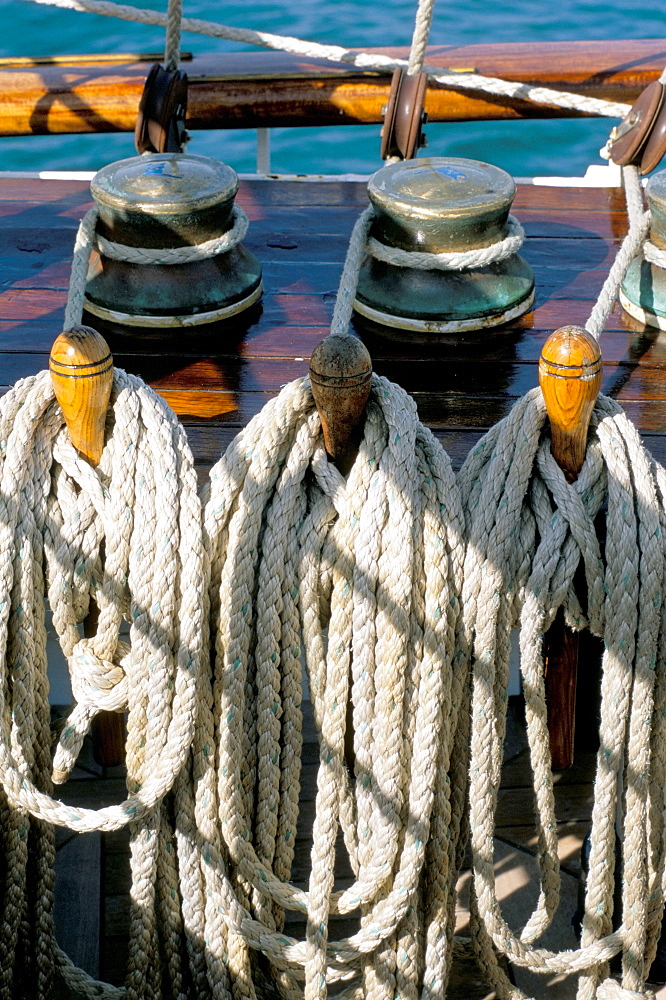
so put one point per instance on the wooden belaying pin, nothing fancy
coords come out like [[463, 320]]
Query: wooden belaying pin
[[341, 377], [341, 373], [81, 369], [570, 371]]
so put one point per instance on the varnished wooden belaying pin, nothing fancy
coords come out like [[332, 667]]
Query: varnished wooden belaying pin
[[341, 373], [81, 369], [570, 371]]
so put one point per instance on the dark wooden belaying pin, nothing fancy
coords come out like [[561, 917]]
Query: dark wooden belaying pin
[[81, 369], [341, 373], [570, 371]]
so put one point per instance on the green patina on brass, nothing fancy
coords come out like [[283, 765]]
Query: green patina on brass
[[169, 200], [440, 205], [643, 292]]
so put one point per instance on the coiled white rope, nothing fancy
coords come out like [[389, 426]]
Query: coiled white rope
[[336, 53], [454, 260], [139, 507], [362, 575], [527, 530]]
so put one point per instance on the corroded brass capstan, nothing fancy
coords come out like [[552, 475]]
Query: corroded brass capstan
[[441, 205], [165, 201], [643, 291]]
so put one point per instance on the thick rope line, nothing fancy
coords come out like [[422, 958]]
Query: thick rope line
[[173, 29], [56, 512], [336, 53], [527, 529], [639, 223], [453, 260], [334, 528]]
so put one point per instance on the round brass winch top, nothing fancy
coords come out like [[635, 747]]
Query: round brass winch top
[[164, 199], [164, 183], [441, 203]]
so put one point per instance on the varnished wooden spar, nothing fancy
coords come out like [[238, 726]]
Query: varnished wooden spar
[[570, 373], [258, 89], [82, 373]]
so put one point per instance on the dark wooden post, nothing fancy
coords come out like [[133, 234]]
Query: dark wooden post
[[570, 377], [82, 372], [341, 373]]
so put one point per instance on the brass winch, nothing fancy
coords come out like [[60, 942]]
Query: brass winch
[[431, 214], [169, 254], [643, 291]]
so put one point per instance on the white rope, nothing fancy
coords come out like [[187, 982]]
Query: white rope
[[336, 53], [173, 29], [87, 238], [653, 254], [527, 529], [610, 989], [455, 260], [177, 255], [140, 507], [376, 562], [639, 223]]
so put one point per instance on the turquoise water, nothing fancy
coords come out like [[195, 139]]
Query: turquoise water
[[523, 148]]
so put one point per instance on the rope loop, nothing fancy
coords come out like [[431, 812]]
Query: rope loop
[[610, 989], [452, 261], [527, 530], [653, 254], [362, 575], [171, 256]]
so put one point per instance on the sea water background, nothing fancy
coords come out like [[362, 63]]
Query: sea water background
[[522, 147]]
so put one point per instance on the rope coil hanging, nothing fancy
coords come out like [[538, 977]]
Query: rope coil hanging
[[527, 530], [507, 583], [291, 534], [141, 506]]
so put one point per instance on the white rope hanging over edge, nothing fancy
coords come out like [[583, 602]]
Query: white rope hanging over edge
[[523, 549], [334, 525]]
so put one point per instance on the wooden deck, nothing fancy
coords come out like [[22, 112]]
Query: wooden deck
[[299, 231]]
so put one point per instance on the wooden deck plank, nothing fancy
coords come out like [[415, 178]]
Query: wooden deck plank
[[77, 900]]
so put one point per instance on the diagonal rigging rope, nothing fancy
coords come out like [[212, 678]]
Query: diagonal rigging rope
[[336, 53]]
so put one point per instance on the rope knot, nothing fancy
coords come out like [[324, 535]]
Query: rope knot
[[98, 683], [331, 482], [564, 513], [610, 989]]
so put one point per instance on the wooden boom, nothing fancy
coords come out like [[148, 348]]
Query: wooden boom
[[261, 89]]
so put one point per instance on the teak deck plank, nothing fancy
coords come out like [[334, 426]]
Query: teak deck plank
[[300, 231]]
